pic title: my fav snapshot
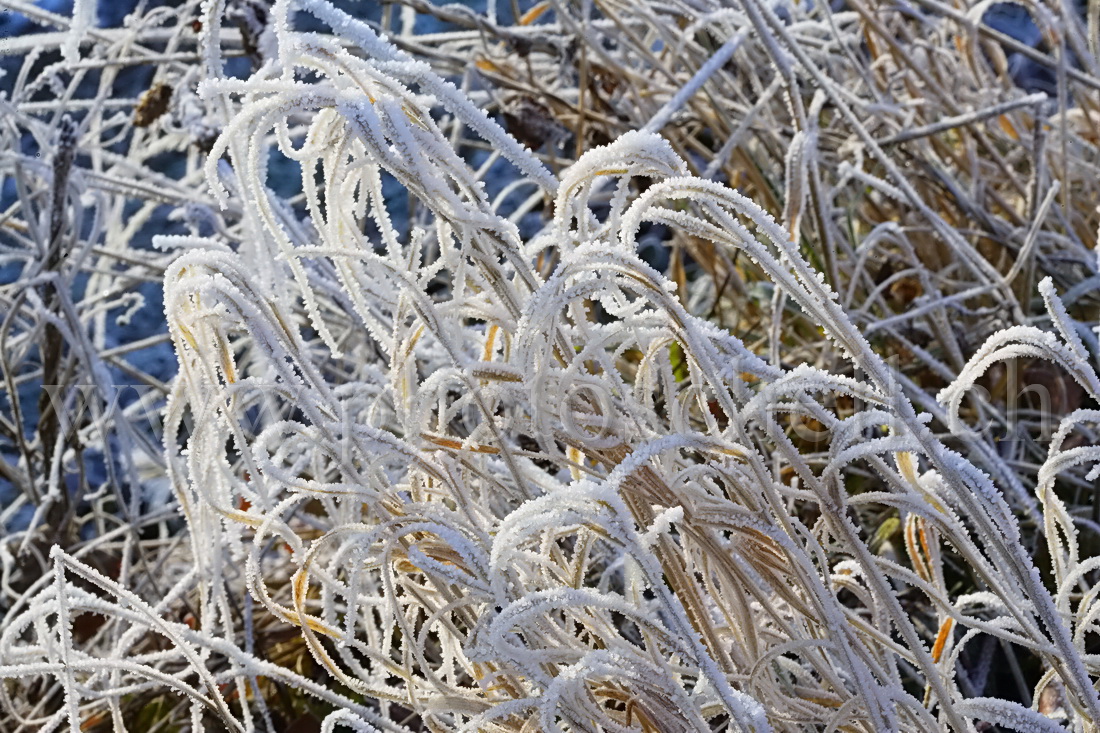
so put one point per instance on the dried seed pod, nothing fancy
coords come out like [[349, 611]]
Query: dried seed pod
[[152, 105]]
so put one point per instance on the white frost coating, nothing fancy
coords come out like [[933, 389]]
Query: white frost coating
[[404, 67], [499, 482], [720, 57], [662, 523], [83, 21], [1011, 715]]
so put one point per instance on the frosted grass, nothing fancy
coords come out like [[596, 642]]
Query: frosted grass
[[457, 475]]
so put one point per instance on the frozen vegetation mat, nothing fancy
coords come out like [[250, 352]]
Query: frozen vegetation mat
[[592, 365]]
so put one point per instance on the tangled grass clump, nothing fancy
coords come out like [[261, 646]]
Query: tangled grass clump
[[438, 468]]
